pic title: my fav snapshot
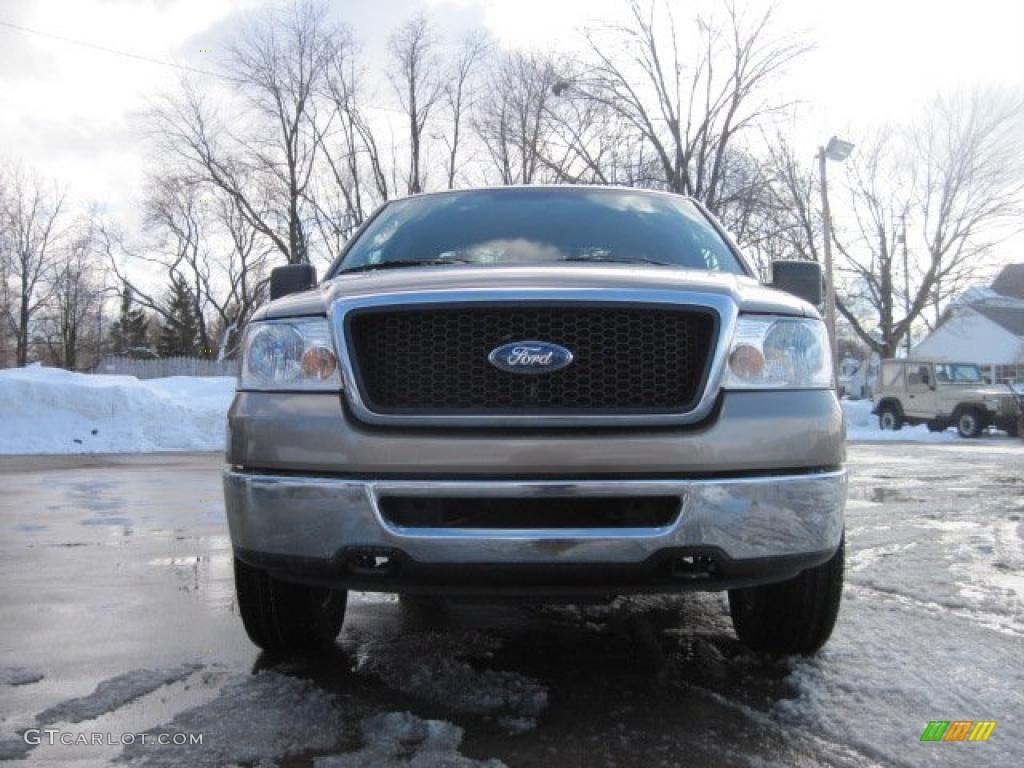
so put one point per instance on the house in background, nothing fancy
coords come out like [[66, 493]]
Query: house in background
[[984, 326]]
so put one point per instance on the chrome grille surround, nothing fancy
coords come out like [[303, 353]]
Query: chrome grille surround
[[721, 305]]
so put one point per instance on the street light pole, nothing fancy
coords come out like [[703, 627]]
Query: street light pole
[[830, 286], [837, 150], [906, 277]]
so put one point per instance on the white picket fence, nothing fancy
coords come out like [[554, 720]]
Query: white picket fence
[[166, 366]]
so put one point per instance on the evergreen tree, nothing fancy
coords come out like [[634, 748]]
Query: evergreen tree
[[179, 334], [128, 334]]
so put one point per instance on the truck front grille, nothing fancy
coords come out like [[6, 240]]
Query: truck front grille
[[627, 359]]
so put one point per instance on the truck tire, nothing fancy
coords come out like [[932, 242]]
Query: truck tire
[[281, 617], [890, 418], [970, 423], [795, 616]]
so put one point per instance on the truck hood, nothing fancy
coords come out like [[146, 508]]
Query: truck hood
[[749, 294]]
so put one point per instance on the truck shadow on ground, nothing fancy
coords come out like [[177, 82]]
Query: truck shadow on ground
[[632, 677]]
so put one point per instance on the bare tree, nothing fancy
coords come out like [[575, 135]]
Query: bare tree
[[277, 66], [70, 323], [354, 179], [204, 242], [513, 122], [690, 103], [33, 225], [417, 84], [237, 284], [460, 93], [927, 201]]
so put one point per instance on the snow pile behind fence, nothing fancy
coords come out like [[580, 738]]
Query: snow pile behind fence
[[48, 410]]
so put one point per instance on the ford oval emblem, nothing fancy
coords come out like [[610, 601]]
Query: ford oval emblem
[[530, 357]]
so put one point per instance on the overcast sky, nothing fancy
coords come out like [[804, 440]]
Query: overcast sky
[[71, 112]]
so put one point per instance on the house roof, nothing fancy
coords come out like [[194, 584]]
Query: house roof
[[1010, 282], [1010, 318]]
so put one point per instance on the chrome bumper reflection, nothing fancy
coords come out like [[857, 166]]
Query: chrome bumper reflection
[[748, 517]]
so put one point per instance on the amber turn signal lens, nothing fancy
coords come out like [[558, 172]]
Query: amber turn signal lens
[[746, 361], [319, 362]]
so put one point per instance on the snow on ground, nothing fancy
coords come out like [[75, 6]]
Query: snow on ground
[[114, 693], [436, 667], [402, 739], [49, 410], [19, 676], [861, 424], [262, 717]]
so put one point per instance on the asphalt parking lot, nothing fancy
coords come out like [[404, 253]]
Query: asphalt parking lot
[[117, 617]]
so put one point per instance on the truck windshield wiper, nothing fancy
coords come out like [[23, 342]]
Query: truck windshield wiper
[[599, 260], [395, 264]]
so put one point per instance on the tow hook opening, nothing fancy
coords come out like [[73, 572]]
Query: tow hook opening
[[371, 562], [693, 566]]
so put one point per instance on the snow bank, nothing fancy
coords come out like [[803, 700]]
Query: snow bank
[[862, 425], [49, 410]]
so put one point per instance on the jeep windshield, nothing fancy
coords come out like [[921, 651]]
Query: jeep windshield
[[538, 225], [958, 373]]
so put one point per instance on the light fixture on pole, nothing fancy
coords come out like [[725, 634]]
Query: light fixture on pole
[[836, 150]]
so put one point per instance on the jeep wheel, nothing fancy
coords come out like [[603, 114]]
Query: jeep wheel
[[795, 616], [282, 617], [970, 423], [890, 419]]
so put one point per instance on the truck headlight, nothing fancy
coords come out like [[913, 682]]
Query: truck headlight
[[290, 355], [771, 352]]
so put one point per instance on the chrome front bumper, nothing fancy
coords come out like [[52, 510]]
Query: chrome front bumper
[[318, 518]]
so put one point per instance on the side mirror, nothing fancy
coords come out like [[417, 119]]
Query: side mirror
[[291, 278], [801, 278]]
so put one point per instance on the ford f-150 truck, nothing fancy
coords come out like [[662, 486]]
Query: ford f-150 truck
[[543, 392]]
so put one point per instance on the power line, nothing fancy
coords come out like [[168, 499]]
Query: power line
[[104, 49], [148, 59]]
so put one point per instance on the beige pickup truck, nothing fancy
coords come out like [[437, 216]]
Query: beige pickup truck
[[539, 391], [940, 395]]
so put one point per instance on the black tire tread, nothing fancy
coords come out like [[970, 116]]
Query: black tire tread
[[794, 616], [282, 617]]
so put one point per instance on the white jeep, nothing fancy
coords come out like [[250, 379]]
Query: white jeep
[[940, 395]]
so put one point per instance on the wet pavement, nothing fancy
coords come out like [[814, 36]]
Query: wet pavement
[[117, 616]]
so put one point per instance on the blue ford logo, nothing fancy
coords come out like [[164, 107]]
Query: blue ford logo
[[530, 357]]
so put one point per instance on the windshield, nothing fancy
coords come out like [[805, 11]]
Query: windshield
[[958, 373], [529, 226]]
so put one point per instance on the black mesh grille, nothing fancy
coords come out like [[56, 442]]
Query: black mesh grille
[[626, 359], [572, 512]]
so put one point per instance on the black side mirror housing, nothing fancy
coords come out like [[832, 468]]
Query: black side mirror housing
[[291, 278], [800, 278]]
